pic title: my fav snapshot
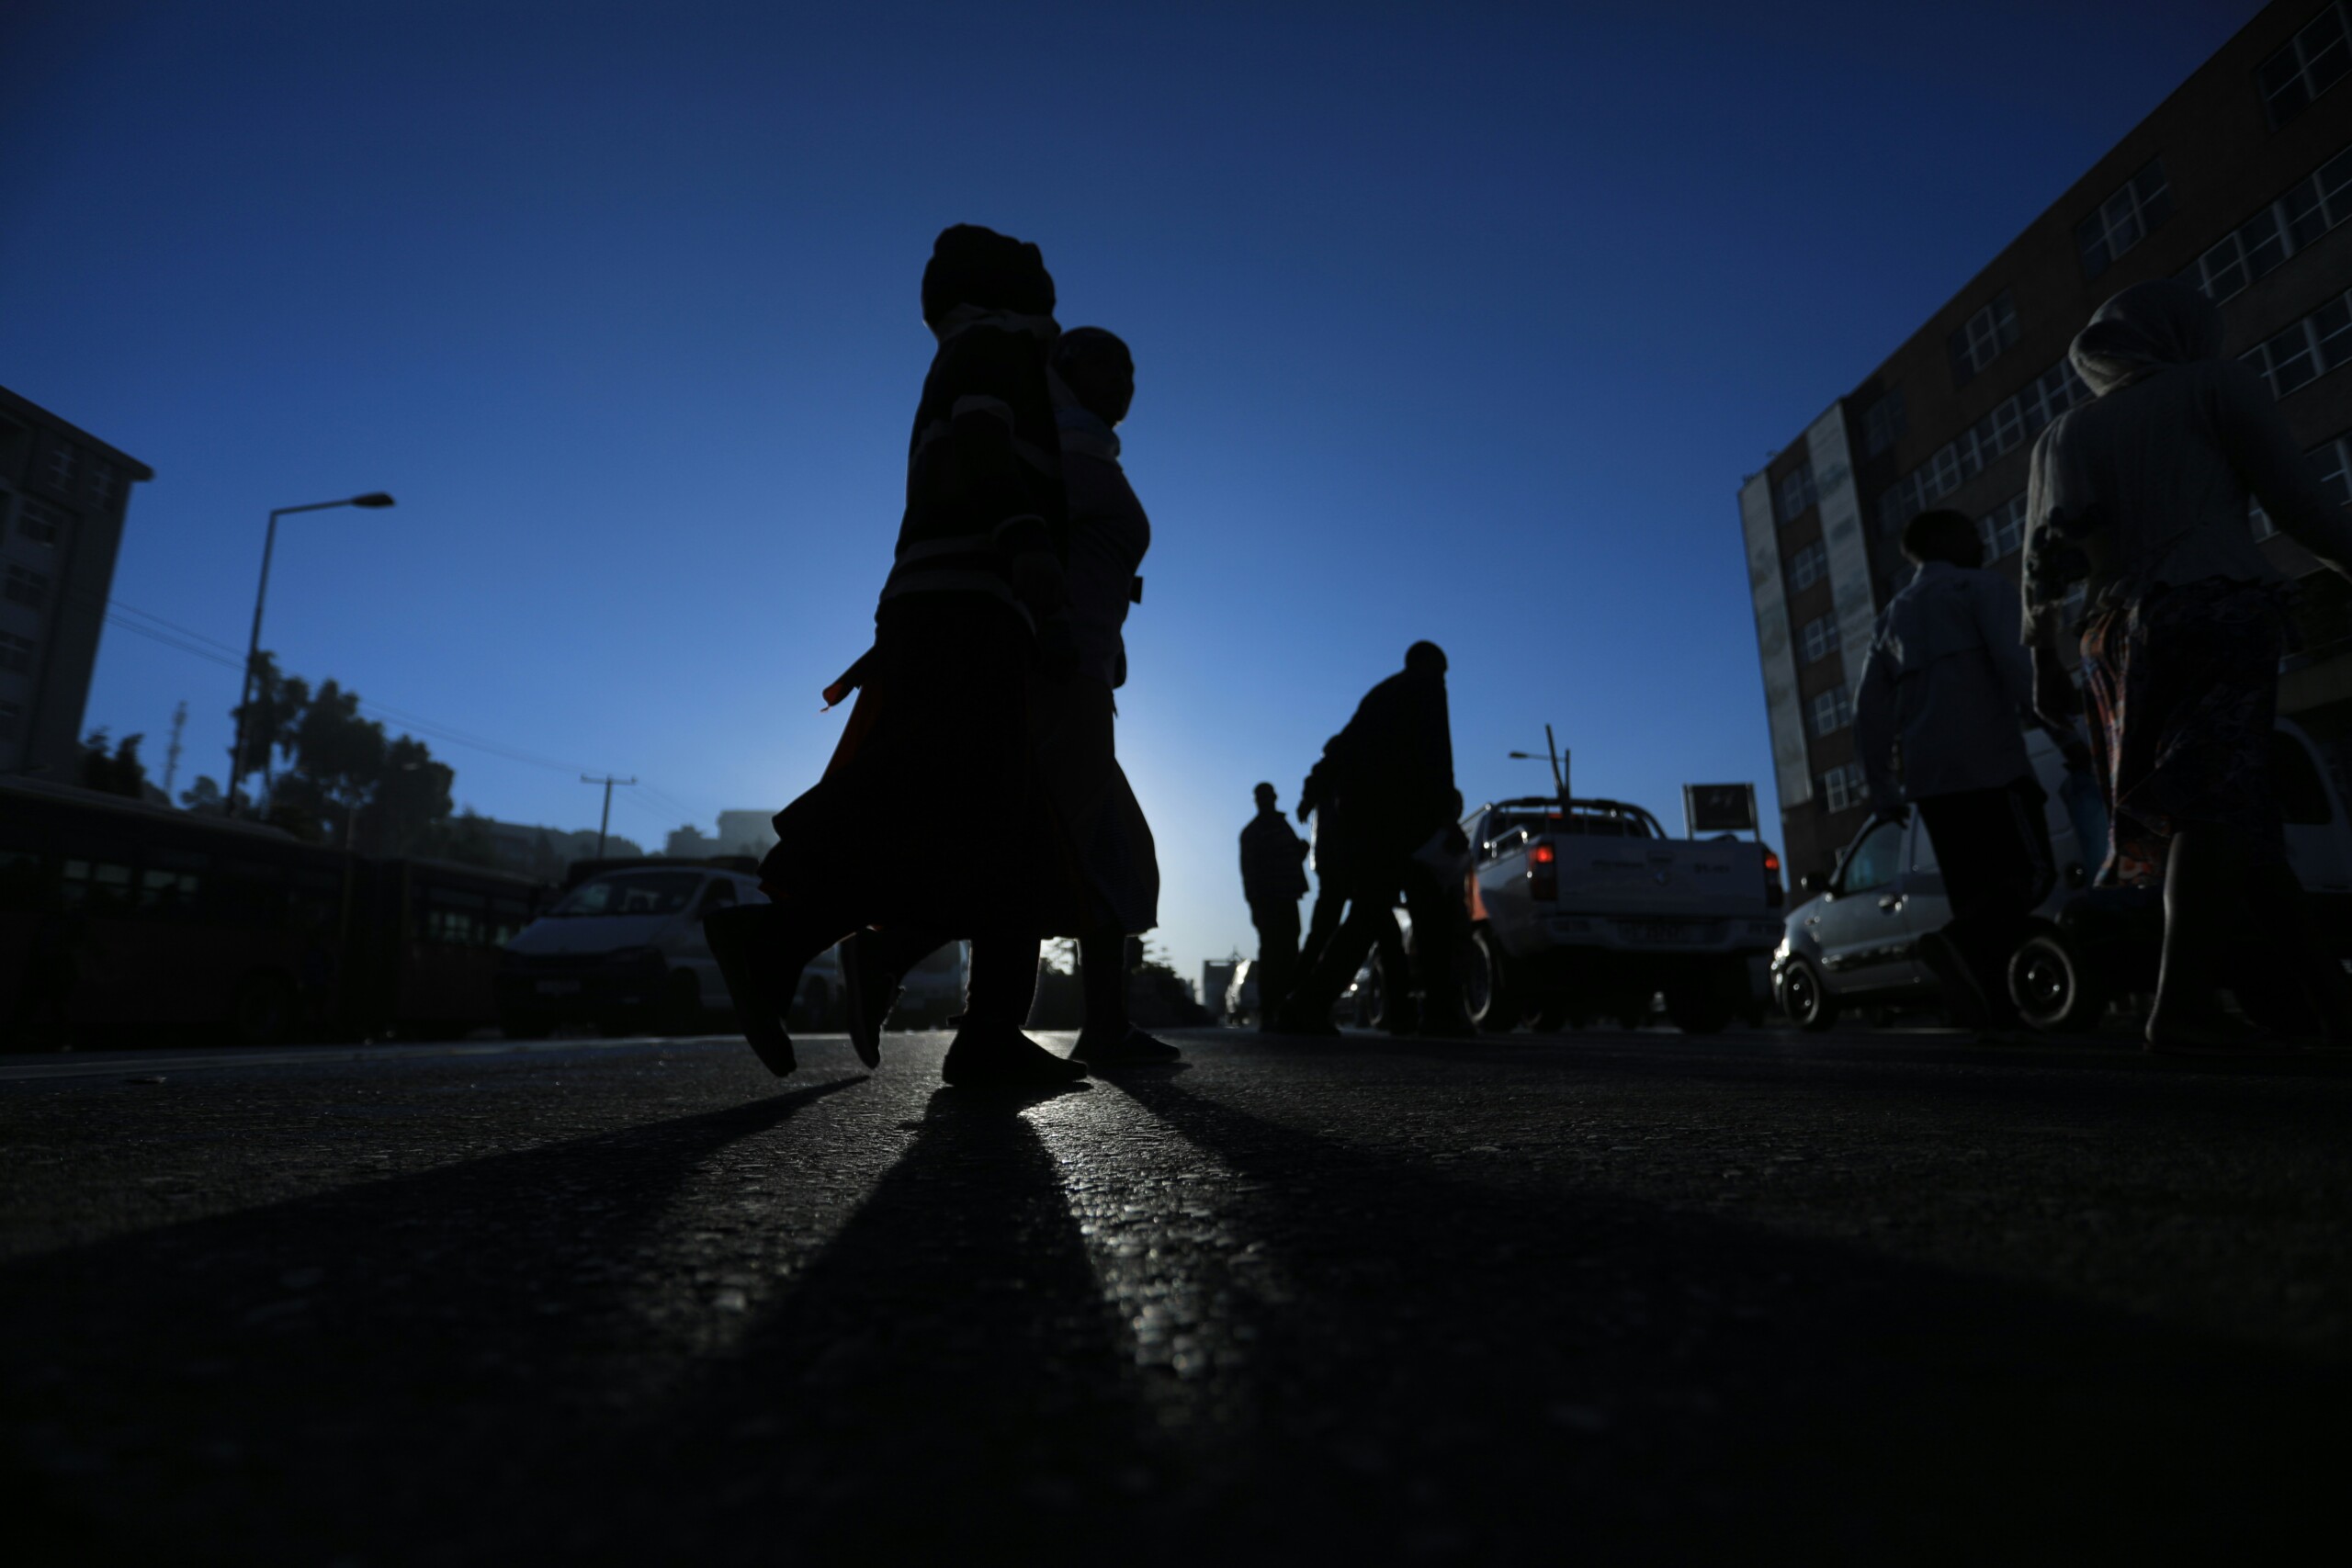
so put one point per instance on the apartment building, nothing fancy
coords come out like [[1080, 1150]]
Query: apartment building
[[63, 493], [2241, 184]]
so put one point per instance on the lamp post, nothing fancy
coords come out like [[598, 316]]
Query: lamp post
[[373, 499]]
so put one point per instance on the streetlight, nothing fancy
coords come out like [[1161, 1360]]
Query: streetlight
[[372, 500]]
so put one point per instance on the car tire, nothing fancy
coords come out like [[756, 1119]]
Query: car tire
[[1805, 997], [1485, 984], [2054, 989]]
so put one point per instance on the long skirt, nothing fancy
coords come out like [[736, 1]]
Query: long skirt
[[933, 811], [1072, 718], [2183, 691]]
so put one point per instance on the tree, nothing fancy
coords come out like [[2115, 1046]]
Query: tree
[[204, 797], [264, 724], [122, 773], [344, 782]]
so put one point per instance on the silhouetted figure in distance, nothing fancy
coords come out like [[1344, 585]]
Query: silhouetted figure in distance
[[1390, 772], [1329, 854], [1273, 879], [1948, 680], [965, 847]]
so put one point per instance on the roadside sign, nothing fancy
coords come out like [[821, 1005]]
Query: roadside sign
[[1719, 808]]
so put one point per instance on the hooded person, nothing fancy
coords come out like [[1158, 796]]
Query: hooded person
[[936, 752], [2138, 499], [1072, 709]]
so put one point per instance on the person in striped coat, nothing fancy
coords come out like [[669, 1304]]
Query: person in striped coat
[[931, 813]]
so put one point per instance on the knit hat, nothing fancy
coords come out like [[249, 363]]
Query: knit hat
[[972, 266]]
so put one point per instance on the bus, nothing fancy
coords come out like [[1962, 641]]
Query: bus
[[122, 919]]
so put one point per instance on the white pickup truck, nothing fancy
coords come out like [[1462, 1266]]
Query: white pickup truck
[[1583, 910]]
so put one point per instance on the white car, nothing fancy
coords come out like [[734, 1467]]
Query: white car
[[624, 950]]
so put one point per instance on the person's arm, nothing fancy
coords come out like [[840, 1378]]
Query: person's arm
[[2042, 609], [1011, 494], [1998, 616], [2270, 465], [1874, 729]]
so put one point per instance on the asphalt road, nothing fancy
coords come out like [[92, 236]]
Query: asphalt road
[[1866, 1297]]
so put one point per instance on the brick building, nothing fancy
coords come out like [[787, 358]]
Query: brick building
[[63, 493], [2241, 184]]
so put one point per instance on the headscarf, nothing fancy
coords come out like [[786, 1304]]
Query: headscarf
[[995, 273], [2142, 329]]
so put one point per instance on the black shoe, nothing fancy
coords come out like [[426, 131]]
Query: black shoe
[[741, 937], [868, 993], [1965, 995], [1133, 1049], [995, 1057]]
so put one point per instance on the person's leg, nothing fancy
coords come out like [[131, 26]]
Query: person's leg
[[1277, 956], [761, 950], [2204, 897], [1324, 919], [989, 1050], [1110, 1037], [1308, 1009], [1439, 922], [1402, 1009], [1994, 865], [2283, 914], [874, 962]]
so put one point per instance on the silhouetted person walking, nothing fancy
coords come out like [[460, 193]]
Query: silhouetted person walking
[[1333, 857], [1072, 713], [1390, 773], [1273, 879], [2139, 497], [968, 846], [1947, 680]]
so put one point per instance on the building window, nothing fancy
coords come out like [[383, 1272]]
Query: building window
[[2010, 425], [2312, 60], [2334, 461], [105, 483], [2123, 220], [2306, 351], [63, 461], [1820, 637], [1980, 339], [39, 522], [1844, 786], [1831, 710], [1883, 424], [16, 653], [1808, 566], [2003, 528], [1796, 492], [25, 586], [2259, 246]]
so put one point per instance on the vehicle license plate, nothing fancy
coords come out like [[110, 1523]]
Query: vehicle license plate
[[1659, 931], [557, 988]]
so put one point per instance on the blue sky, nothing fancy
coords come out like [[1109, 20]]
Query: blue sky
[[1461, 321]]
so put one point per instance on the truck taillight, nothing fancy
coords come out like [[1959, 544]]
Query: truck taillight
[[1543, 872], [1775, 894]]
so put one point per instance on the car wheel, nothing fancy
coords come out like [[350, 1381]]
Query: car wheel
[[2054, 988], [1805, 997], [1486, 991]]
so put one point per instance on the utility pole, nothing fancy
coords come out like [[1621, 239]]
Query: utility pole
[[605, 823], [172, 757]]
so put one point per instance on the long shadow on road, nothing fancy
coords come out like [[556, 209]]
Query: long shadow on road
[[293, 1381]]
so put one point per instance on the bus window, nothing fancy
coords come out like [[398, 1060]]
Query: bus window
[[97, 887], [164, 891]]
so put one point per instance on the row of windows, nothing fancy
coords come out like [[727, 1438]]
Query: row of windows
[[39, 522], [2261, 245], [2017, 421], [23, 585], [2314, 60], [1844, 786], [1820, 637], [1884, 422], [1832, 711], [2332, 464], [2307, 350], [16, 653], [2123, 220], [2003, 528], [1796, 492], [1808, 566], [1979, 340]]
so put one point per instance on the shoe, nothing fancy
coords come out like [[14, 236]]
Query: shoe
[[868, 993], [739, 936], [1963, 994], [996, 1056], [1133, 1049]]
